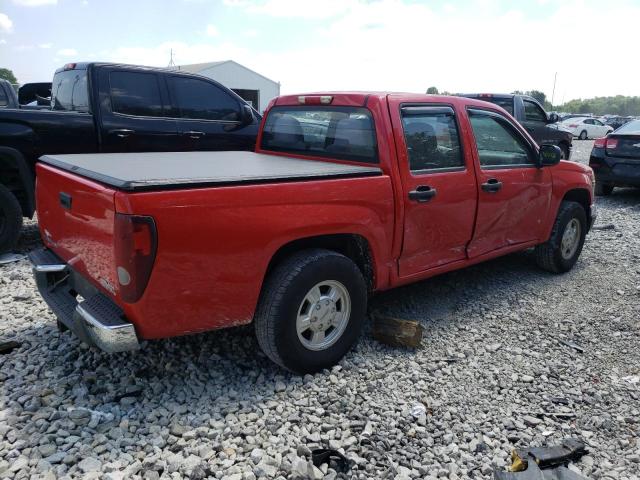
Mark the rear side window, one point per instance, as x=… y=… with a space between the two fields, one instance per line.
x=202 y=100
x=431 y=136
x=135 y=93
x=345 y=133
x=506 y=103
x=533 y=113
x=499 y=144
x=69 y=91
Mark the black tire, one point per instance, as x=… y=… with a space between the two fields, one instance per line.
x=282 y=295
x=564 y=148
x=549 y=255
x=603 y=189
x=583 y=135
x=10 y=220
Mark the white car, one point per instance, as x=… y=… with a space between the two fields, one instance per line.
x=586 y=127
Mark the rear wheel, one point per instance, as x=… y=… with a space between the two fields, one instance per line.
x=311 y=310
x=603 y=189
x=560 y=253
x=583 y=135
x=10 y=219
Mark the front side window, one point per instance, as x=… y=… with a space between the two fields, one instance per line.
x=533 y=112
x=201 y=100
x=431 y=136
x=135 y=93
x=345 y=133
x=499 y=144
x=69 y=91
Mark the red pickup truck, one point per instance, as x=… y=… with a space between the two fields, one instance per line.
x=346 y=194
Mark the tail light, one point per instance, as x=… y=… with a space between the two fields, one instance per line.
x=136 y=242
x=611 y=143
x=600 y=143
x=573 y=125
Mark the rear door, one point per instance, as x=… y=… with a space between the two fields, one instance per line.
x=439 y=185
x=514 y=195
x=134 y=107
x=208 y=116
x=535 y=122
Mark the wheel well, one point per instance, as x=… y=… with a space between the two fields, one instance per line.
x=12 y=176
x=581 y=196
x=352 y=246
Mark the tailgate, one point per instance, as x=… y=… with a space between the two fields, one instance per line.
x=76 y=219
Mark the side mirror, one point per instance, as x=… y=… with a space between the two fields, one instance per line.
x=554 y=118
x=246 y=114
x=549 y=156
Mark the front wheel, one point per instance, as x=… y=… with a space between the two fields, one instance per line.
x=10 y=219
x=564 y=148
x=560 y=253
x=603 y=189
x=311 y=310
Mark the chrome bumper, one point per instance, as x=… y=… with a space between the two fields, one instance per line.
x=80 y=307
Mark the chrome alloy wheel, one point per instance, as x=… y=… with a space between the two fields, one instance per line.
x=323 y=315
x=570 y=239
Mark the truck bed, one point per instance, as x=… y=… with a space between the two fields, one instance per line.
x=169 y=170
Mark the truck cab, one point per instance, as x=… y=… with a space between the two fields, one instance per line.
x=347 y=194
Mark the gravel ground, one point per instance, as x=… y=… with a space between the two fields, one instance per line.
x=491 y=375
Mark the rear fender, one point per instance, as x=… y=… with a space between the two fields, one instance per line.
x=16 y=175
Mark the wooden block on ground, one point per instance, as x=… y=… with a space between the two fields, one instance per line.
x=396 y=332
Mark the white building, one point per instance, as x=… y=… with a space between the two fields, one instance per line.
x=253 y=87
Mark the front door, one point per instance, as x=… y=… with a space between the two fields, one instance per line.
x=535 y=122
x=439 y=186
x=209 y=117
x=514 y=194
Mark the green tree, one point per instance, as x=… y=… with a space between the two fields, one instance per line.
x=432 y=91
x=538 y=95
x=7 y=74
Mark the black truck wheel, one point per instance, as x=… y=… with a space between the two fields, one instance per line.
x=311 y=310
x=603 y=189
x=564 y=148
x=10 y=219
x=560 y=253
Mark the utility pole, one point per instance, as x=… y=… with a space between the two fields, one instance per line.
x=171 y=62
x=553 y=93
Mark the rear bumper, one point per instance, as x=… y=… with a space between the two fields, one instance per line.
x=79 y=306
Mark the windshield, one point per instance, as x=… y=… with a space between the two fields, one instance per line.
x=345 y=133
x=69 y=91
x=630 y=127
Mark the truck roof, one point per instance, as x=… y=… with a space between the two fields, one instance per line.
x=171 y=170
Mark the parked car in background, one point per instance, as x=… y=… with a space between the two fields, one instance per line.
x=617 y=122
x=585 y=128
x=102 y=107
x=8 y=96
x=566 y=116
x=541 y=126
x=379 y=190
x=615 y=159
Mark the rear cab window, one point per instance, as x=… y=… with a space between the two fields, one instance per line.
x=504 y=102
x=343 y=133
x=69 y=91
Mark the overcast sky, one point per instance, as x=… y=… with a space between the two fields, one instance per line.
x=399 y=45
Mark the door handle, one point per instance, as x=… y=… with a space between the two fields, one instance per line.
x=122 y=132
x=492 y=185
x=193 y=134
x=422 y=194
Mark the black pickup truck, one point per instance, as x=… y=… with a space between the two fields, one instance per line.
x=101 y=107
x=543 y=127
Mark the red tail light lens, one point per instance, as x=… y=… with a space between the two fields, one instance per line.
x=612 y=143
x=573 y=125
x=135 y=245
x=600 y=143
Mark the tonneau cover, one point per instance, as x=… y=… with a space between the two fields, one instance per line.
x=158 y=170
